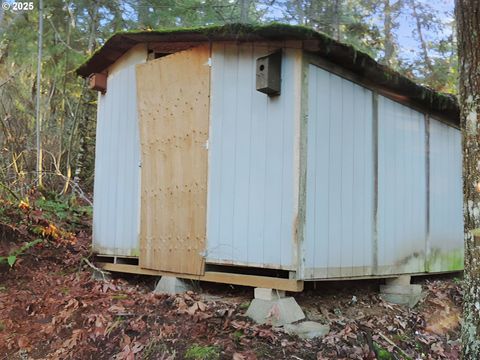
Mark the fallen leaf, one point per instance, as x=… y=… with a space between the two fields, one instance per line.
x=191 y=310
x=23 y=342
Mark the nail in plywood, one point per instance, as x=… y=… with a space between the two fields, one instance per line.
x=173 y=107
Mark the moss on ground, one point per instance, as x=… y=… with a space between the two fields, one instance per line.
x=199 y=352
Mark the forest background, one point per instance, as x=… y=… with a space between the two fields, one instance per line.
x=414 y=37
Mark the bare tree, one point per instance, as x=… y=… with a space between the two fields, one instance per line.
x=39 y=167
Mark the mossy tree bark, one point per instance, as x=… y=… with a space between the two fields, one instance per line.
x=468 y=29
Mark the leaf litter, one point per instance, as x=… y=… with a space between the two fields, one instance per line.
x=52 y=308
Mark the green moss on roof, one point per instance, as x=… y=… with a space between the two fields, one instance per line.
x=344 y=55
x=242 y=31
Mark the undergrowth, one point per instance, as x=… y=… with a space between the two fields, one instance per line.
x=199 y=352
x=37 y=219
x=11 y=258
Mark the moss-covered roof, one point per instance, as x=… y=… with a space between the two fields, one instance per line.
x=444 y=105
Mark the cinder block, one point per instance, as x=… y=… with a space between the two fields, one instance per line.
x=405 y=294
x=401 y=289
x=172 y=285
x=399 y=280
x=275 y=312
x=402 y=299
x=308 y=329
x=268 y=294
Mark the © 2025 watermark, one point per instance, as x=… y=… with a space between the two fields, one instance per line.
x=18 y=5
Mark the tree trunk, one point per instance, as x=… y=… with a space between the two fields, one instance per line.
x=421 y=38
x=39 y=166
x=244 y=10
x=336 y=20
x=468 y=30
x=2 y=12
x=389 y=45
x=82 y=151
x=82 y=128
x=300 y=12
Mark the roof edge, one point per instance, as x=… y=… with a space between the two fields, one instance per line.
x=346 y=56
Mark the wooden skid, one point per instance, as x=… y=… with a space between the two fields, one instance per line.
x=213 y=276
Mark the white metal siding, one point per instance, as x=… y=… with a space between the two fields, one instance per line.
x=116 y=211
x=402 y=196
x=339 y=213
x=251 y=162
x=446 y=201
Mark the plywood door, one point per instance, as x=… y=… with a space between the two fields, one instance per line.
x=173 y=108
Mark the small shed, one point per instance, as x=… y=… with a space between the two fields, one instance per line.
x=269 y=156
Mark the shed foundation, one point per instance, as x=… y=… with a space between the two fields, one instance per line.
x=268 y=294
x=172 y=285
x=308 y=329
x=399 y=280
x=270 y=306
x=400 y=291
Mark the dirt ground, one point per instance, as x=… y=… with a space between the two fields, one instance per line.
x=51 y=308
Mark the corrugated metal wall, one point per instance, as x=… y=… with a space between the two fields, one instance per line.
x=402 y=207
x=253 y=179
x=251 y=162
x=414 y=231
x=339 y=209
x=117 y=159
x=446 y=202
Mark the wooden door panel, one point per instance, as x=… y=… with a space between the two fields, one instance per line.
x=173 y=110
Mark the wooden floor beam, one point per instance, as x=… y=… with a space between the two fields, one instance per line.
x=214 y=276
